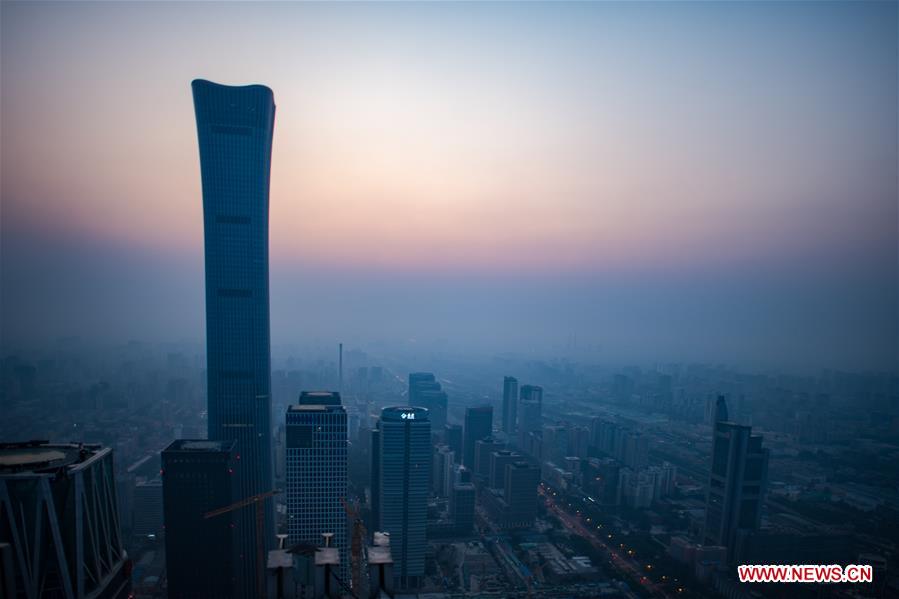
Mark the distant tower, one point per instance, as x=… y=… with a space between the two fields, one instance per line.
x=522 y=480
x=198 y=477
x=478 y=425
x=340 y=368
x=737 y=481
x=510 y=404
x=530 y=412
x=425 y=392
x=453 y=436
x=420 y=381
x=317 y=472
x=404 y=455
x=234 y=129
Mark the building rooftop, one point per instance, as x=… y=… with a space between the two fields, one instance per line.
x=41 y=457
x=199 y=445
x=321 y=398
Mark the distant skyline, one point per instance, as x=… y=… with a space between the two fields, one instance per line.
x=668 y=182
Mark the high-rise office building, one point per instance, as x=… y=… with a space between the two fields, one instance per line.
x=425 y=392
x=375 y=481
x=436 y=402
x=146 y=515
x=234 y=129
x=530 y=413
x=444 y=460
x=498 y=462
x=317 y=472
x=59 y=515
x=522 y=480
x=737 y=481
x=478 y=425
x=419 y=377
x=462 y=502
x=200 y=476
x=482 y=450
x=453 y=437
x=404 y=454
x=510 y=404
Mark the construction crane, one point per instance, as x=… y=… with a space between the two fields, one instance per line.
x=355 y=545
x=259 y=501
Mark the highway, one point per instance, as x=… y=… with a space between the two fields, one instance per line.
x=621 y=564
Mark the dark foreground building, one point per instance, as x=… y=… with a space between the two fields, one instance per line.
x=234 y=129
x=66 y=492
x=198 y=477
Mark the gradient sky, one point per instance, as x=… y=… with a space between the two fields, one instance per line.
x=666 y=181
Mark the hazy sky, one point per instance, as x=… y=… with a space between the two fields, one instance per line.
x=666 y=181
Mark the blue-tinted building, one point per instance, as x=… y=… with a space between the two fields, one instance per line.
x=234 y=128
x=317 y=472
x=404 y=464
x=738 y=478
x=425 y=392
x=478 y=425
x=510 y=404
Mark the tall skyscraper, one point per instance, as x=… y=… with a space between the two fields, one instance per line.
x=737 y=481
x=198 y=477
x=234 y=128
x=146 y=515
x=530 y=412
x=425 y=392
x=478 y=425
x=453 y=437
x=435 y=401
x=482 y=450
x=498 y=461
x=58 y=513
x=404 y=455
x=510 y=404
x=317 y=472
x=420 y=380
x=462 y=507
x=522 y=480
x=375 y=477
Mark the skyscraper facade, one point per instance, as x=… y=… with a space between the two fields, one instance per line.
x=510 y=404
x=530 y=413
x=522 y=480
x=317 y=472
x=234 y=129
x=737 y=481
x=198 y=477
x=404 y=454
x=452 y=434
x=425 y=392
x=478 y=425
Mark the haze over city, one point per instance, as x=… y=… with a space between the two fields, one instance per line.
x=634 y=182
x=432 y=300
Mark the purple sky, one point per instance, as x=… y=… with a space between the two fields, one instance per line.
x=694 y=181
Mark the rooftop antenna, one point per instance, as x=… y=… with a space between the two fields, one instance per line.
x=340 y=368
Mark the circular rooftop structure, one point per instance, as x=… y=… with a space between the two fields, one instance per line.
x=404 y=414
x=30 y=458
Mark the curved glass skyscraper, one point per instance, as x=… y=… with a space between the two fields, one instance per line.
x=234 y=128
